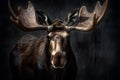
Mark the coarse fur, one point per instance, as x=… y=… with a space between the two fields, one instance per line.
x=30 y=60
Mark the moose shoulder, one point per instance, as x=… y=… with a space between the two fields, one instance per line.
x=23 y=58
x=49 y=57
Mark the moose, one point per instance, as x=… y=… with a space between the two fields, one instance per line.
x=49 y=57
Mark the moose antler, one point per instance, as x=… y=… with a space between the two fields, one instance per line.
x=26 y=18
x=93 y=18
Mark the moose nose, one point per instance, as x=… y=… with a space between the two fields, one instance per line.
x=59 y=60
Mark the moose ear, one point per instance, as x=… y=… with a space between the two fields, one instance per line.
x=72 y=17
x=43 y=18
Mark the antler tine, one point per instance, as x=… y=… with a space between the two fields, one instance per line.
x=11 y=10
x=102 y=8
x=93 y=18
x=26 y=18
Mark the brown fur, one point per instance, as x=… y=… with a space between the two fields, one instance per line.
x=30 y=60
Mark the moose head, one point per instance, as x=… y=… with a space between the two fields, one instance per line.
x=58 y=31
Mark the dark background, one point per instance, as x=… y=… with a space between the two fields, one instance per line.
x=97 y=51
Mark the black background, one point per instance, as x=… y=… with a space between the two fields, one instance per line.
x=97 y=51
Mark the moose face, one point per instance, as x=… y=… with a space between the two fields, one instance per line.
x=57 y=48
x=58 y=45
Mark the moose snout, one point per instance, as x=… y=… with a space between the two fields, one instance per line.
x=58 y=60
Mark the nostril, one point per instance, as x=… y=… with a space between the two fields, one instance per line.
x=58 y=55
x=56 y=58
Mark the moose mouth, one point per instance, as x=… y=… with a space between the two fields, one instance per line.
x=58 y=67
x=59 y=62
